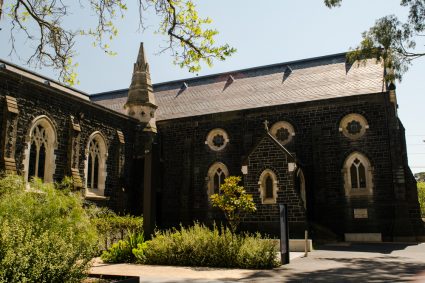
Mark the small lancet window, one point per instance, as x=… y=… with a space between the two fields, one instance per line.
x=268 y=187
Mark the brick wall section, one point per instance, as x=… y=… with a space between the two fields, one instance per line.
x=36 y=99
x=268 y=155
x=319 y=146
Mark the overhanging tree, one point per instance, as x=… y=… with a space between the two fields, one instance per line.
x=189 y=39
x=391 y=40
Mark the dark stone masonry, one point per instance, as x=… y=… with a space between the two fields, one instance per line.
x=318 y=135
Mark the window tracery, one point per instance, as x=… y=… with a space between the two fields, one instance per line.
x=39 y=160
x=95 y=165
x=216 y=175
x=353 y=126
x=283 y=132
x=217 y=139
x=357 y=175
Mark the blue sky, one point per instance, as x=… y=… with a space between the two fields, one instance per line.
x=264 y=32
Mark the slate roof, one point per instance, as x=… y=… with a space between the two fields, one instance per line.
x=319 y=78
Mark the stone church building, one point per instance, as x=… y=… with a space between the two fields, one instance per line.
x=319 y=135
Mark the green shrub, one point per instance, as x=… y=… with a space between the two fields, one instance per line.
x=257 y=253
x=139 y=252
x=119 y=252
x=11 y=183
x=45 y=234
x=421 y=196
x=122 y=251
x=199 y=246
x=112 y=227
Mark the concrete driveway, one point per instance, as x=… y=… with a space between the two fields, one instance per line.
x=344 y=262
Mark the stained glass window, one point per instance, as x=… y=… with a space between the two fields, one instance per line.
x=219 y=177
x=269 y=187
x=282 y=134
x=358 y=175
x=354 y=127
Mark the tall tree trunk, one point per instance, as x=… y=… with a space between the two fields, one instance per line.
x=1 y=8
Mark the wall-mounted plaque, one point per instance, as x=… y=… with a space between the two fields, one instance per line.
x=360 y=213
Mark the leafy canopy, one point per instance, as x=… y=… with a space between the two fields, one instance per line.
x=233 y=201
x=189 y=38
x=390 y=40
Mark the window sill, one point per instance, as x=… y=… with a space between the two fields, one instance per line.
x=93 y=196
x=359 y=193
x=268 y=201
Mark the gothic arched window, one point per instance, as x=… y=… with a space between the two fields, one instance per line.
x=357 y=175
x=39 y=158
x=268 y=187
x=95 y=165
x=216 y=175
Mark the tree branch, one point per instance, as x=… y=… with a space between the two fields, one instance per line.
x=55 y=42
x=172 y=29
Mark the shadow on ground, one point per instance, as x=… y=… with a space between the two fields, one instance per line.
x=386 y=248
x=379 y=269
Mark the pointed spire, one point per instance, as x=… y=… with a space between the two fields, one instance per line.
x=140 y=91
x=141 y=63
x=141 y=100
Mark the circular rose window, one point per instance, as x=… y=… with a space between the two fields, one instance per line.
x=217 y=139
x=283 y=132
x=353 y=126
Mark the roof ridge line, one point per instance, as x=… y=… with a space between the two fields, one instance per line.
x=43 y=77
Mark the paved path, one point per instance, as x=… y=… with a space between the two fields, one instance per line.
x=332 y=263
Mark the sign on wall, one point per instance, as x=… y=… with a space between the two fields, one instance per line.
x=360 y=213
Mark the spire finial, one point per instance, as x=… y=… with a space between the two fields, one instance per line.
x=141 y=62
x=141 y=56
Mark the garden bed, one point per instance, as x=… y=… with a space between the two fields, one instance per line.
x=101 y=278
